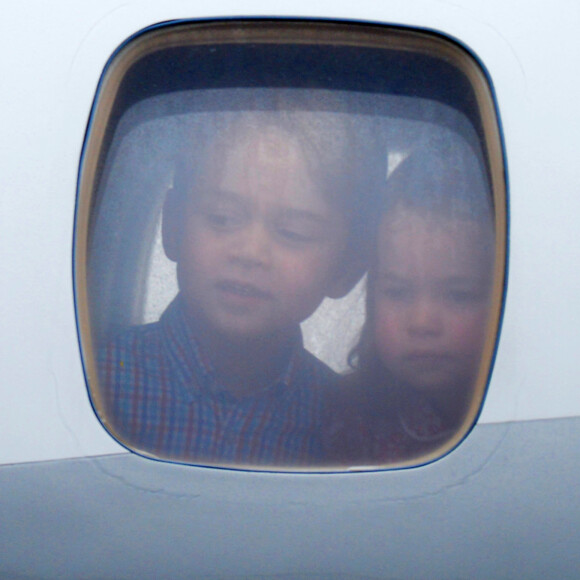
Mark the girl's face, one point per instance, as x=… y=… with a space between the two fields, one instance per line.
x=432 y=289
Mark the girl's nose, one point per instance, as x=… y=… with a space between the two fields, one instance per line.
x=425 y=317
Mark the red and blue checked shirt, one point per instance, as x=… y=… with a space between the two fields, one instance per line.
x=162 y=399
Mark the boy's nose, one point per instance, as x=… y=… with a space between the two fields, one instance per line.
x=253 y=246
x=425 y=317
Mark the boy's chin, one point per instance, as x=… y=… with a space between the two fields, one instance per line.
x=239 y=327
x=244 y=333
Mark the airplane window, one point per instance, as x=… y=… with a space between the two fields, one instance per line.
x=290 y=245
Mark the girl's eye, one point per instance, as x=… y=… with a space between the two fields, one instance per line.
x=398 y=293
x=463 y=296
x=295 y=235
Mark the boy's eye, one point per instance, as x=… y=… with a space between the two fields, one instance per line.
x=223 y=219
x=299 y=231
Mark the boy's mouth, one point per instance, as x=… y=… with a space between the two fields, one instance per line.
x=242 y=289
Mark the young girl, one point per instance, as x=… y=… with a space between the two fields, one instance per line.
x=427 y=307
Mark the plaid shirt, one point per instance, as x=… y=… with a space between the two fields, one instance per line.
x=162 y=399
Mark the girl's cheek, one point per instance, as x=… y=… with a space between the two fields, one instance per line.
x=388 y=331
x=468 y=330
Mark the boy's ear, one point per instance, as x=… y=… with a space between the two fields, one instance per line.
x=348 y=273
x=172 y=224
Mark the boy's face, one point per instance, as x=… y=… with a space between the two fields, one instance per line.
x=432 y=296
x=261 y=245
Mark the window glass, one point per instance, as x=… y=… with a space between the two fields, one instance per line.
x=290 y=245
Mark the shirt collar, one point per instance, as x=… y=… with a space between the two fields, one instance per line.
x=194 y=367
x=419 y=418
x=188 y=361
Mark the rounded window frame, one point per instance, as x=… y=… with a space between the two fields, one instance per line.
x=150 y=41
